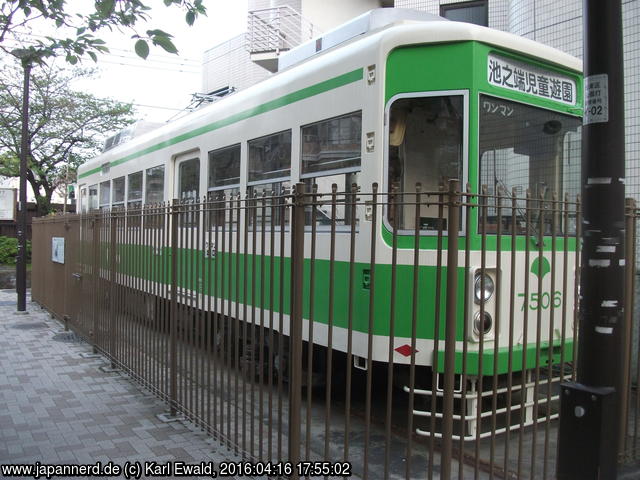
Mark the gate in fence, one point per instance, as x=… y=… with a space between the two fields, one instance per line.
x=384 y=335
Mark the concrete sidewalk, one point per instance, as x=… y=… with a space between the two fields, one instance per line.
x=58 y=407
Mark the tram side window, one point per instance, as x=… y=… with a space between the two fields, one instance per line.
x=189 y=179
x=83 y=200
x=93 y=197
x=426 y=147
x=331 y=153
x=189 y=190
x=525 y=148
x=105 y=194
x=154 y=189
x=269 y=173
x=118 y=192
x=134 y=197
x=224 y=182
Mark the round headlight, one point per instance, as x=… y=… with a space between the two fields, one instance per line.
x=482 y=324
x=483 y=292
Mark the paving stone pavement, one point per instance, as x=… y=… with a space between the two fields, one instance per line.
x=57 y=407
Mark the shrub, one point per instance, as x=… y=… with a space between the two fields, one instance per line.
x=9 y=250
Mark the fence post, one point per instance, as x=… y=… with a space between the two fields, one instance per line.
x=94 y=277
x=173 y=320
x=297 y=265
x=453 y=222
x=112 y=288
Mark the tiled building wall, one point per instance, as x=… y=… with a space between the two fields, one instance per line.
x=260 y=4
x=631 y=46
x=560 y=26
x=498 y=9
x=228 y=64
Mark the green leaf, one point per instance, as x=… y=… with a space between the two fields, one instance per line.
x=190 y=18
x=72 y=59
x=93 y=56
x=168 y=2
x=158 y=32
x=105 y=8
x=142 y=48
x=165 y=43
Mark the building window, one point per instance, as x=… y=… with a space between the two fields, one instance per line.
x=471 y=12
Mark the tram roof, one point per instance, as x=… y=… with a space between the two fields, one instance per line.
x=400 y=33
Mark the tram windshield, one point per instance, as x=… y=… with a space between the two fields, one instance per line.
x=527 y=148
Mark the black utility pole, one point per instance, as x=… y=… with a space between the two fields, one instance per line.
x=590 y=417
x=21 y=260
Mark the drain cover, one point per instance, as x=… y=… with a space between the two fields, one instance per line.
x=67 y=337
x=28 y=326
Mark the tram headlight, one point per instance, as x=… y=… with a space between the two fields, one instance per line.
x=482 y=323
x=483 y=294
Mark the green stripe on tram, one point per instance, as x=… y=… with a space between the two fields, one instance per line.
x=327 y=85
x=193 y=270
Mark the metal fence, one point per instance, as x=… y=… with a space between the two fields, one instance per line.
x=354 y=328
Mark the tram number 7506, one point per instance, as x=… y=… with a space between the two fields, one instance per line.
x=543 y=301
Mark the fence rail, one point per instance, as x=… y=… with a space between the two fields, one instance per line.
x=396 y=334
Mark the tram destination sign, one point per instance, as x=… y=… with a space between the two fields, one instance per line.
x=521 y=77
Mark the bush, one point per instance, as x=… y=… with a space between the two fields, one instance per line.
x=9 y=250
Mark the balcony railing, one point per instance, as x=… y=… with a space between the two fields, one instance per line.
x=277 y=29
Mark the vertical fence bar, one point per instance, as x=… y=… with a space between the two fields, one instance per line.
x=351 y=205
x=297 y=266
x=453 y=221
x=390 y=349
x=372 y=284
x=469 y=203
x=95 y=245
x=629 y=273
x=313 y=199
x=173 y=318
x=330 y=318
x=392 y=209
x=112 y=288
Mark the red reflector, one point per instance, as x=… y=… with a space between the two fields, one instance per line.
x=405 y=350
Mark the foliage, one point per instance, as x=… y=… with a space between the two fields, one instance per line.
x=66 y=127
x=9 y=250
x=78 y=30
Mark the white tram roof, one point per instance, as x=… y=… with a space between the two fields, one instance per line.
x=400 y=32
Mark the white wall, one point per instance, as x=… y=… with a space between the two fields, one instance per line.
x=328 y=14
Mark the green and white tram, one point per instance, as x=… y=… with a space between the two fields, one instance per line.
x=395 y=103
